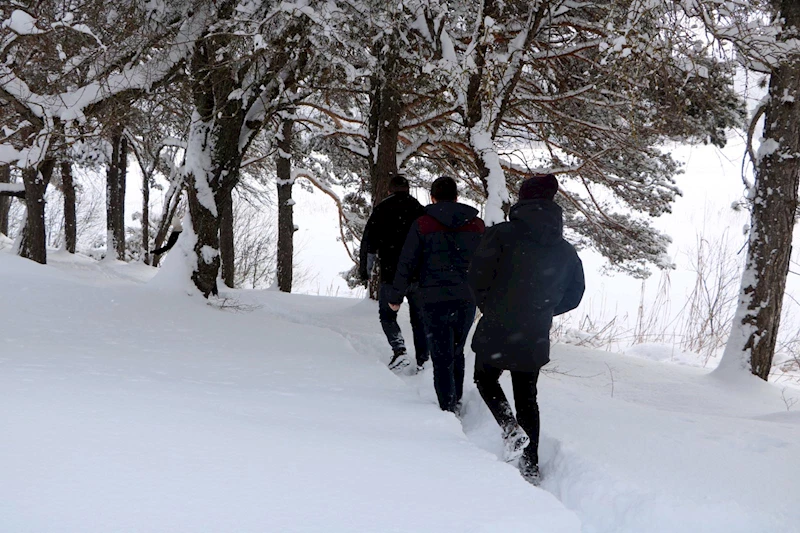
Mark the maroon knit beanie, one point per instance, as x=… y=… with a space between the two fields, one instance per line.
x=540 y=187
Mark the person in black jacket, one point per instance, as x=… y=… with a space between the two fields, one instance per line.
x=523 y=274
x=437 y=252
x=383 y=237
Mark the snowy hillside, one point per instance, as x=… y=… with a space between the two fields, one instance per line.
x=127 y=407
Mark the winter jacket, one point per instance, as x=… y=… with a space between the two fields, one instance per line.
x=523 y=274
x=386 y=232
x=437 y=252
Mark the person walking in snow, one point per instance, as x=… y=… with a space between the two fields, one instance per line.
x=437 y=252
x=384 y=236
x=523 y=274
x=177 y=228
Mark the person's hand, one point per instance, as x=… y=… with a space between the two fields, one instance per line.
x=394 y=307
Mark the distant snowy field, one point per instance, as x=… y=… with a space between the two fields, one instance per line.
x=130 y=407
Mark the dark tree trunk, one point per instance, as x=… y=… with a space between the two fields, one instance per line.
x=384 y=128
x=70 y=217
x=33 y=244
x=285 y=207
x=220 y=134
x=206 y=228
x=146 y=219
x=387 y=106
x=163 y=228
x=226 y=244
x=115 y=195
x=755 y=329
x=5 y=201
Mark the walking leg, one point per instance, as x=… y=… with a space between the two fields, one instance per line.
x=528 y=409
x=418 y=327
x=463 y=323
x=487 y=380
x=388 y=320
x=440 y=344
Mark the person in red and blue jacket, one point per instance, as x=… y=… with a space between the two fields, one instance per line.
x=437 y=253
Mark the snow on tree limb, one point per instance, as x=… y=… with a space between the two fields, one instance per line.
x=72 y=105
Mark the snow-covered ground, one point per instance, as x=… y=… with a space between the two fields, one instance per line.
x=127 y=406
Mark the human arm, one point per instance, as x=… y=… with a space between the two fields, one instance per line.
x=366 y=259
x=407 y=266
x=574 y=293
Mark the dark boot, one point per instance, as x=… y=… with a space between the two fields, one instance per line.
x=529 y=469
x=400 y=362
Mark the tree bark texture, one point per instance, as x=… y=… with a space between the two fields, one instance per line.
x=384 y=127
x=146 y=219
x=286 y=230
x=5 y=201
x=226 y=243
x=387 y=106
x=755 y=328
x=206 y=226
x=221 y=134
x=33 y=245
x=70 y=216
x=115 y=195
x=170 y=210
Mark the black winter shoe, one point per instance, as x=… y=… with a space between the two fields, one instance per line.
x=529 y=470
x=400 y=362
x=514 y=442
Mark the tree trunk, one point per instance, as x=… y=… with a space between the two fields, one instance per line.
x=384 y=131
x=384 y=126
x=217 y=143
x=226 y=244
x=5 y=201
x=751 y=345
x=146 y=219
x=205 y=223
x=115 y=196
x=33 y=244
x=286 y=229
x=70 y=217
x=171 y=207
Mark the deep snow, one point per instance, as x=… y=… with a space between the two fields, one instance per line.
x=127 y=406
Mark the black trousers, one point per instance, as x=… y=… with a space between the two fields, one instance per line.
x=448 y=324
x=391 y=328
x=524 y=384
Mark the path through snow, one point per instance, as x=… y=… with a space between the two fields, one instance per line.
x=131 y=408
x=126 y=408
x=632 y=445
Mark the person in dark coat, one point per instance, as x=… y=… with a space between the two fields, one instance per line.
x=437 y=252
x=523 y=274
x=383 y=238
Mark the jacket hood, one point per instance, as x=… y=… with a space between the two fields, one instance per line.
x=543 y=220
x=452 y=214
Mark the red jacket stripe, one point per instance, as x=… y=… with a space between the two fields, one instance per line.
x=427 y=225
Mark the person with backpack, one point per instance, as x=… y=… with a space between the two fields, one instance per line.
x=383 y=238
x=523 y=274
x=437 y=252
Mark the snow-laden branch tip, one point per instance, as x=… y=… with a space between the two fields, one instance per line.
x=21 y=23
x=71 y=105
